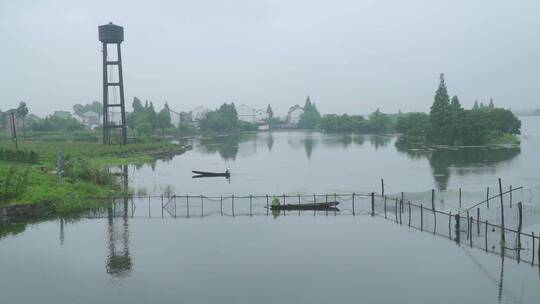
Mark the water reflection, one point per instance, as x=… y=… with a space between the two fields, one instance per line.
x=463 y=161
x=226 y=146
x=379 y=141
x=119 y=263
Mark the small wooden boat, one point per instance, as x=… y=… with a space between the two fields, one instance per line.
x=310 y=206
x=211 y=174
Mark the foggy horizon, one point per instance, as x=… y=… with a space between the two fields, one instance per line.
x=348 y=57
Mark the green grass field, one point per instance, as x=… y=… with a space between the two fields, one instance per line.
x=83 y=176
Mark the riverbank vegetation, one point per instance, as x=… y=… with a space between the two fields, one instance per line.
x=84 y=172
x=448 y=123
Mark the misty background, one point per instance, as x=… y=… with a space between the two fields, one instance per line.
x=349 y=56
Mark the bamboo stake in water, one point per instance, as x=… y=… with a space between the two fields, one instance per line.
x=298 y=204
x=459 y=198
x=486 y=234
x=353 y=204
x=510 y=196
x=385 y=206
x=450 y=225
x=421 y=217
x=533 y=248
x=409 y=213
x=470 y=239
x=478 y=221
x=433 y=199
x=397 y=210
x=187 y=205
x=487 y=197
x=503 y=238
x=372 y=203
x=202 y=206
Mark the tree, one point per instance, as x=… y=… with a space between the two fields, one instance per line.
x=413 y=127
x=270 y=112
x=95 y=106
x=455 y=121
x=21 y=112
x=223 y=119
x=311 y=116
x=491 y=105
x=164 y=119
x=378 y=122
x=476 y=106
x=137 y=105
x=439 y=114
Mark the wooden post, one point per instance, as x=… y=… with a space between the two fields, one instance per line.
x=402 y=199
x=187 y=205
x=487 y=197
x=538 y=252
x=533 y=248
x=149 y=210
x=175 y=206
x=221 y=205
x=433 y=199
x=470 y=239
x=267 y=205
x=382 y=187
x=372 y=203
x=520 y=215
x=450 y=225
x=434 y=221
x=326 y=201
x=397 y=210
x=468 y=228
x=409 y=213
x=478 y=221
x=510 y=196
x=421 y=217
x=161 y=206
x=353 y=204
x=202 y=206
x=459 y=198
x=314 y=201
x=486 y=234
x=232 y=204
x=458 y=228
x=284 y=210
x=400 y=203
x=298 y=204
x=335 y=200
x=385 y=206
x=503 y=238
x=250 y=205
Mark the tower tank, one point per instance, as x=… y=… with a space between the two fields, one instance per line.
x=111 y=33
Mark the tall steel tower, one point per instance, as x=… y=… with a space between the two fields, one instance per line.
x=113 y=35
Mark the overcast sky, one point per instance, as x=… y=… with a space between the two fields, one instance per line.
x=349 y=56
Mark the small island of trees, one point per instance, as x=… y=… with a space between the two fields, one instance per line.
x=449 y=124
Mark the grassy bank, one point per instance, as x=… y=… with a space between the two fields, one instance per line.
x=83 y=173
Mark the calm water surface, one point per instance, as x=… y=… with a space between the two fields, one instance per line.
x=131 y=254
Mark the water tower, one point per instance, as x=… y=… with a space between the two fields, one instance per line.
x=114 y=113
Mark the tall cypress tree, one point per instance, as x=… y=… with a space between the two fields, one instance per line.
x=439 y=114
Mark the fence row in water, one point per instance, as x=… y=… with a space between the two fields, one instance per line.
x=463 y=227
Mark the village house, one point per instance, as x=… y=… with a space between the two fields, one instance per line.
x=294 y=114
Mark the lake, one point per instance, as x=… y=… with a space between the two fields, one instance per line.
x=137 y=252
